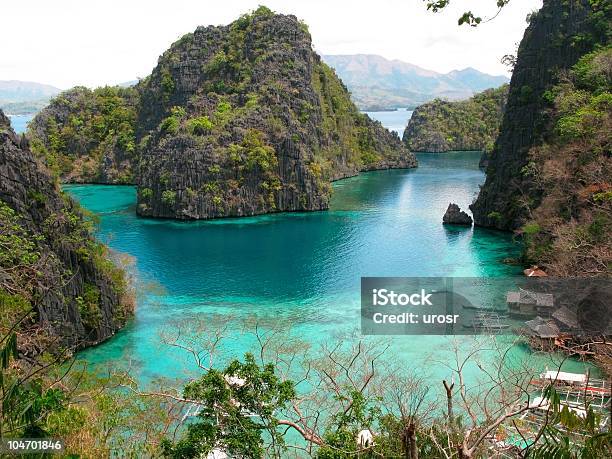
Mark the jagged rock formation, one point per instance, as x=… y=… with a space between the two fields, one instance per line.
x=455 y=216
x=48 y=259
x=88 y=136
x=470 y=124
x=245 y=119
x=483 y=162
x=236 y=120
x=549 y=172
x=555 y=39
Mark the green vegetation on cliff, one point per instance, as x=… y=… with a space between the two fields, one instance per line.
x=59 y=291
x=235 y=120
x=245 y=119
x=50 y=264
x=549 y=172
x=569 y=229
x=471 y=124
x=88 y=136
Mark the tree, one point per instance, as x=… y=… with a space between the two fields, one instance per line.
x=236 y=406
x=337 y=394
x=467 y=17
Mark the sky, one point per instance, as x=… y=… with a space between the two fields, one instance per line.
x=94 y=42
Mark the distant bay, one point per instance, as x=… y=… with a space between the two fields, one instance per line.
x=395 y=120
x=20 y=122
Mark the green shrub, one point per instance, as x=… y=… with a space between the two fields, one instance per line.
x=603 y=197
x=258 y=153
x=146 y=193
x=19 y=247
x=191 y=193
x=252 y=101
x=235 y=153
x=592 y=71
x=178 y=112
x=531 y=228
x=11 y=307
x=211 y=187
x=167 y=84
x=89 y=306
x=37 y=196
x=217 y=63
x=599 y=227
x=170 y=125
x=200 y=125
x=169 y=197
x=369 y=157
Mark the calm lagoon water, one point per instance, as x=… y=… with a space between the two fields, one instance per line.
x=394 y=120
x=301 y=267
x=20 y=122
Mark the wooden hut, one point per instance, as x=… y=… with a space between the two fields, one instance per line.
x=526 y=304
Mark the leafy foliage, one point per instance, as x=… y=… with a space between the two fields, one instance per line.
x=467 y=17
x=238 y=404
x=169 y=197
x=472 y=124
x=570 y=435
x=199 y=125
x=80 y=127
x=89 y=305
x=573 y=172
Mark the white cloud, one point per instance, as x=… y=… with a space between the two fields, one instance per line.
x=70 y=42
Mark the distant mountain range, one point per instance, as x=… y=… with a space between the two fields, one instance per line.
x=379 y=83
x=23 y=91
x=375 y=83
x=18 y=97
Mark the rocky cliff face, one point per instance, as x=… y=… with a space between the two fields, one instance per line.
x=88 y=136
x=471 y=124
x=49 y=261
x=236 y=120
x=555 y=39
x=245 y=119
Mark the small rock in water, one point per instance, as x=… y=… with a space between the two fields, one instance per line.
x=455 y=216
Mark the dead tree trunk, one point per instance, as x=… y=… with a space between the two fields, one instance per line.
x=409 y=441
x=449 y=400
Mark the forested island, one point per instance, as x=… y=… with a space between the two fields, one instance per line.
x=237 y=120
x=471 y=124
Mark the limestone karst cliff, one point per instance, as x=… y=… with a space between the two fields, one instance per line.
x=245 y=119
x=549 y=172
x=234 y=120
x=49 y=261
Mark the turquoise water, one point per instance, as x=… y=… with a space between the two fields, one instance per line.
x=304 y=268
x=393 y=120
x=20 y=122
